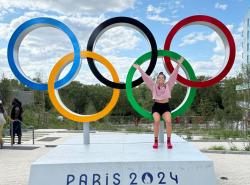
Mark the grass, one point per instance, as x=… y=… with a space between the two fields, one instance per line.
x=137 y=129
x=33 y=118
x=217 y=147
x=211 y=133
x=103 y=126
x=189 y=137
x=234 y=148
x=247 y=147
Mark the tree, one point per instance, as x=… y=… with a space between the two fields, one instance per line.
x=231 y=112
x=245 y=82
x=5 y=89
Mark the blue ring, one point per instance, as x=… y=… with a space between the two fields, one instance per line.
x=17 y=38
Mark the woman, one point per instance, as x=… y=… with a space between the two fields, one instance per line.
x=16 y=116
x=161 y=93
x=3 y=117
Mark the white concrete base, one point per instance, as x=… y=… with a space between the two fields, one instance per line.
x=125 y=159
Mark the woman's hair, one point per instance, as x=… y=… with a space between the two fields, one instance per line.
x=16 y=102
x=161 y=73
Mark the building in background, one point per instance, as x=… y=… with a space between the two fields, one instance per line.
x=246 y=38
x=244 y=89
x=26 y=97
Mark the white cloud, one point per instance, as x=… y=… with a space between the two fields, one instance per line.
x=216 y=62
x=195 y=37
x=67 y=7
x=155 y=10
x=173 y=5
x=121 y=65
x=165 y=8
x=154 y=14
x=192 y=38
x=158 y=18
x=177 y=2
x=111 y=41
x=43 y=47
x=220 y=6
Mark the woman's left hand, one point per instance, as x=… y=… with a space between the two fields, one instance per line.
x=181 y=60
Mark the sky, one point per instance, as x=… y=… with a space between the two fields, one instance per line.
x=42 y=48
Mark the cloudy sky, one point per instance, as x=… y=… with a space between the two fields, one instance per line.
x=43 y=47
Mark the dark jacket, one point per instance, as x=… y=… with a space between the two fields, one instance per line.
x=16 y=113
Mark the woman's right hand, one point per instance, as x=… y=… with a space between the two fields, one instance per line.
x=136 y=66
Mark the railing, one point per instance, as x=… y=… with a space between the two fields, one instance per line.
x=25 y=129
x=241 y=87
x=243 y=104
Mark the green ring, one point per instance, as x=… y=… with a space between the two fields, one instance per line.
x=191 y=92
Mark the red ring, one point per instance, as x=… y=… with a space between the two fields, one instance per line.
x=225 y=31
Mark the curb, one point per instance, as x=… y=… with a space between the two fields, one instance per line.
x=226 y=152
x=217 y=140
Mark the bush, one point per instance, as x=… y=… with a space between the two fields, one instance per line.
x=217 y=148
x=234 y=148
x=189 y=137
x=138 y=129
x=247 y=147
x=103 y=126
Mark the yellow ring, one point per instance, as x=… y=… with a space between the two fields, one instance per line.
x=56 y=100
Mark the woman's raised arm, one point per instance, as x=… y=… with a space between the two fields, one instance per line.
x=146 y=78
x=173 y=76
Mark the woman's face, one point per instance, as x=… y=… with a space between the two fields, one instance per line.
x=161 y=79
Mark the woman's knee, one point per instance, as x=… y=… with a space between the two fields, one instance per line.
x=156 y=117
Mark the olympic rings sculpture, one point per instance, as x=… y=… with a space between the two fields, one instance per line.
x=54 y=83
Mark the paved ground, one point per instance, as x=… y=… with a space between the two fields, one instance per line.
x=235 y=167
x=15 y=163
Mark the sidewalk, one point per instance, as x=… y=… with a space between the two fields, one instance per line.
x=15 y=163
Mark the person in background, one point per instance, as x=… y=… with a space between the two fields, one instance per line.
x=16 y=116
x=3 y=117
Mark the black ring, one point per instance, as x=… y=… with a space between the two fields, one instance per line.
x=117 y=21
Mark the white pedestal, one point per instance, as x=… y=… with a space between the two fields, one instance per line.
x=125 y=159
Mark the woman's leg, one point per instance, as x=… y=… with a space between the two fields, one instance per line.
x=1 y=135
x=167 y=118
x=13 y=132
x=157 y=118
x=19 y=132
